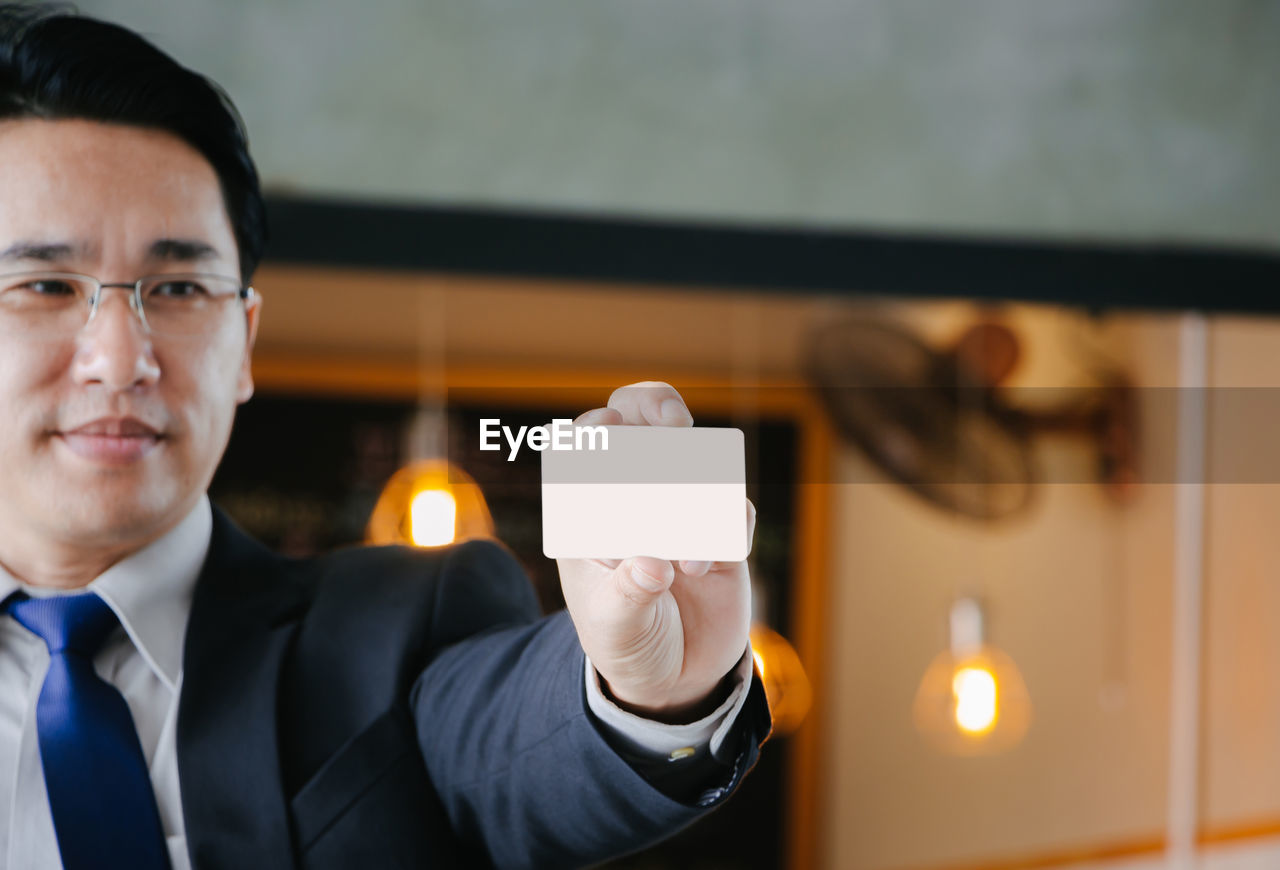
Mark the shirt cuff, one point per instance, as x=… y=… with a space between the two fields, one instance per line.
x=671 y=742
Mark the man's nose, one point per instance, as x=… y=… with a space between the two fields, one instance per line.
x=114 y=347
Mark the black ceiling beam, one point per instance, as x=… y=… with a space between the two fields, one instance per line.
x=788 y=260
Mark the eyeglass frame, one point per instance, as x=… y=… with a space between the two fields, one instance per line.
x=244 y=292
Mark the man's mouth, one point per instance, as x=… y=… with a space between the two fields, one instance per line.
x=111 y=440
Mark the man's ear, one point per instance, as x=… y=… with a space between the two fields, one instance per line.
x=244 y=384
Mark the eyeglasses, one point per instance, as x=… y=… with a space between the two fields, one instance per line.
x=60 y=304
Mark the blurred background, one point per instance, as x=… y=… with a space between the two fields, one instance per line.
x=991 y=287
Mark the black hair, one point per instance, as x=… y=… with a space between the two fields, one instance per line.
x=56 y=64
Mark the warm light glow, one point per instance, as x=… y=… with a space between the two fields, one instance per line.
x=975 y=695
x=972 y=704
x=433 y=518
x=786 y=686
x=431 y=503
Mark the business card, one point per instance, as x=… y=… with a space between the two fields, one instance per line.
x=672 y=493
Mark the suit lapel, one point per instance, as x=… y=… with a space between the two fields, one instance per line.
x=243 y=616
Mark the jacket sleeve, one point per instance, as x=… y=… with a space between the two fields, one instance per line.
x=512 y=749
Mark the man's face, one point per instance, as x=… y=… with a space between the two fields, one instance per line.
x=110 y=435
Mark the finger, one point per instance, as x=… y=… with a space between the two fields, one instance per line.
x=587 y=568
x=694 y=569
x=643 y=580
x=599 y=417
x=651 y=403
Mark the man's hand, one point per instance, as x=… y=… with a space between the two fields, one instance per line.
x=662 y=635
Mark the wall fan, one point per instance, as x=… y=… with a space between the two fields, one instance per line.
x=938 y=421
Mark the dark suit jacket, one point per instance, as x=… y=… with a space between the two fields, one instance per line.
x=386 y=708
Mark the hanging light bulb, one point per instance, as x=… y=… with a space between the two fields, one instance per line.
x=429 y=504
x=433 y=518
x=786 y=685
x=972 y=700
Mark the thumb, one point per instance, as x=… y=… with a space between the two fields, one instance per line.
x=644 y=579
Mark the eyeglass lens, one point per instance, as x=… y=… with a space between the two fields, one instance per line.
x=51 y=304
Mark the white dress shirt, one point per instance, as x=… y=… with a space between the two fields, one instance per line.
x=150 y=591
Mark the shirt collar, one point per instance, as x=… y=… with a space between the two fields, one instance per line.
x=150 y=590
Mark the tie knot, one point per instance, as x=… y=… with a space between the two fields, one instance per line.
x=79 y=623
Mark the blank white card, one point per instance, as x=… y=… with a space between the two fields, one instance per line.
x=653 y=491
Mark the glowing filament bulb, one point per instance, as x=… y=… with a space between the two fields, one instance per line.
x=975 y=694
x=432 y=518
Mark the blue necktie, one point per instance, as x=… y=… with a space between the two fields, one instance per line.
x=104 y=811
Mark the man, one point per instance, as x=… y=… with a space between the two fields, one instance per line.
x=171 y=693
